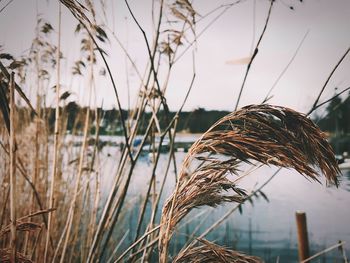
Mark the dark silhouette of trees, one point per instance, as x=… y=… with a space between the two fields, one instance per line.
x=337 y=119
x=337 y=123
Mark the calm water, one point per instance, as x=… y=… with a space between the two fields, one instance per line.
x=265 y=229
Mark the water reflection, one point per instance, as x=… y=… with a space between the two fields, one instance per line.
x=265 y=229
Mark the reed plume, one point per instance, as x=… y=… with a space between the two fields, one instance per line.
x=271 y=135
x=210 y=252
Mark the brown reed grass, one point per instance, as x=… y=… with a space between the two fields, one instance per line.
x=13 y=177
x=56 y=138
x=210 y=252
x=271 y=135
x=5 y=255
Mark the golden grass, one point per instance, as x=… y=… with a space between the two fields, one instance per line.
x=210 y=252
x=271 y=135
x=80 y=225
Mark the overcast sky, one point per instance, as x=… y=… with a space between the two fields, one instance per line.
x=218 y=52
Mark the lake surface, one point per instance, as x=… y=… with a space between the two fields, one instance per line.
x=265 y=229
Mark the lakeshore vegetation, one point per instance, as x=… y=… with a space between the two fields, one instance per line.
x=52 y=206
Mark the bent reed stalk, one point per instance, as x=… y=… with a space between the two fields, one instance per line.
x=271 y=135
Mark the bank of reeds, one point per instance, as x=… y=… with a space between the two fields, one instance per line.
x=50 y=165
x=55 y=186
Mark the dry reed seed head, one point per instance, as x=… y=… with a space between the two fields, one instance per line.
x=207 y=185
x=271 y=135
x=210 y=252
x=77 y=9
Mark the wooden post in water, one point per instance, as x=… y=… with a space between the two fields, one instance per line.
x=303 y=241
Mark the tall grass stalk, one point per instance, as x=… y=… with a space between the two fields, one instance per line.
x=93 y=218
x=13 y=193
x=56 y=135
x=256 y=50
x=38 y=127
x=74 y=205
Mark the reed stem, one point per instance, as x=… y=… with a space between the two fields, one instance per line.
x=74 y=205
x=56 y=137
x=13 y=196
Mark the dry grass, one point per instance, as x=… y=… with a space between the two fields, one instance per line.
x=210 y=252
x=271 y=135
x=62 y=177
x=46 y=171
x=5 y=255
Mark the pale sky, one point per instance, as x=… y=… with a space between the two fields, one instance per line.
x=229 y=39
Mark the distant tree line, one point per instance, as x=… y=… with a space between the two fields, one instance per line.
x=337 y=116
x=196 y=121
x=336 y=121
